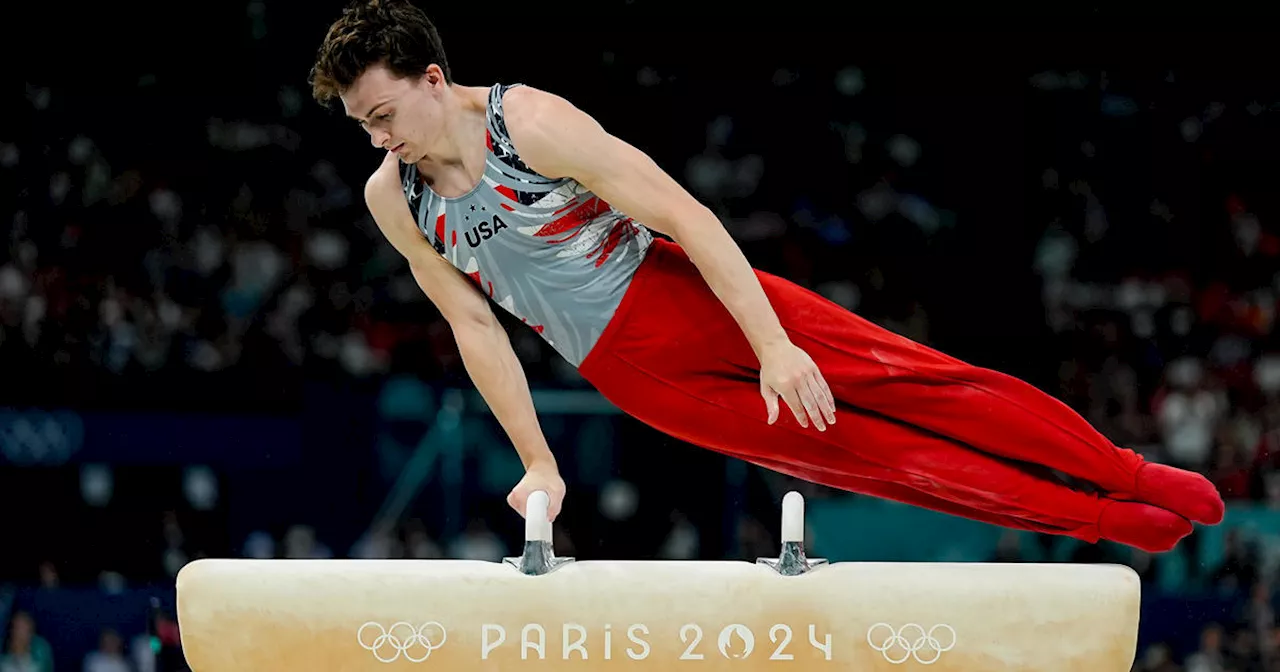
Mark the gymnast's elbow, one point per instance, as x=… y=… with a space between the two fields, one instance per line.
x=688 y=222
x=487 y=353
x=479 y=333
x=459 y=302
x=475 y=328
x=469 y=315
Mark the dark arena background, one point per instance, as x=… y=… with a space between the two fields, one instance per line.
x=207 y=350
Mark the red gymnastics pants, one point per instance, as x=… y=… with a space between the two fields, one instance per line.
x=913 y=425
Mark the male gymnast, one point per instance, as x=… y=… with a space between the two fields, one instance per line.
x=512 y=196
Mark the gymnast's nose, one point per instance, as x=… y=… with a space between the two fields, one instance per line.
x=379 y=138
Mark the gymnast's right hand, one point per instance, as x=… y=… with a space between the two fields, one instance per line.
x=539 y=476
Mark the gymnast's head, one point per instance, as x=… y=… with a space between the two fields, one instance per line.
x=383 y=61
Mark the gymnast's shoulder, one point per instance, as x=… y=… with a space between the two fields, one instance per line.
x=385 y=179
x=552 y=135
x=385 y=199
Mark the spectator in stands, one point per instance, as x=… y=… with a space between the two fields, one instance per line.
x=1188 y=412
x=1008 y=548
x=1242 y=654
x=110 y=655
x=300 y=543
x=1260 y=619
x=418 y=544
x=1231 y=470
x=49 y=575
x=1239 y=568
x=1210 y=656
x=478 y=542
x=1157 y=658
x=25 y=651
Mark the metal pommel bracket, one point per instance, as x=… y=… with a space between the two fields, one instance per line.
x=539 y=558
x=792 y=560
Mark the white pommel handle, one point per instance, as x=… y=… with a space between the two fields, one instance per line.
x=536 y=525
x=793 y=517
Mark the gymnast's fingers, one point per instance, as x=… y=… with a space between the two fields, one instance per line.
x=831 y=398
x=770 y=402
x=553 y=509
x=516 y=500
x=824 y=401
x=797 y=408
x=811 y=405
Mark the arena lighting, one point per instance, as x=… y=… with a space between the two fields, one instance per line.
x=541 y=612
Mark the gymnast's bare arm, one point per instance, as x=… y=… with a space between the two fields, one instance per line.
x=486 y=349
x=557 y=139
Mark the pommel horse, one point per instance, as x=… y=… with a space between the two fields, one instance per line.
x=541 y=612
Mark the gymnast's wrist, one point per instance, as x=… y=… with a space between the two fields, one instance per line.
x=542 y=461
x=771 y=344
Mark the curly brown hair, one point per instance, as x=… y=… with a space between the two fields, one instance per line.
x=393 y=33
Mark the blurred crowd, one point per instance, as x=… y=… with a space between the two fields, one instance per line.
x=1161 y=287
x=1160 y=268
x=248 y=265
x=115 y=272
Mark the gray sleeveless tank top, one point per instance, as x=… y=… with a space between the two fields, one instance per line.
x=548 y=251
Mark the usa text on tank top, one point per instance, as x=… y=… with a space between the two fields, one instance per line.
x=548 y=251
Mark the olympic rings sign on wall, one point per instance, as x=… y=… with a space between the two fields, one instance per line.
x=911 y=641
x=402 y=639
x=34 y=437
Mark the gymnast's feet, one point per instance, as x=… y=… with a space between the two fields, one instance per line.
x=1183 y=492
x=1144 y=526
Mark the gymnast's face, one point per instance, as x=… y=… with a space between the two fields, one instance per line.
x=400 y=114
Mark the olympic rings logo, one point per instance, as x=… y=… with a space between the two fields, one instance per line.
x=401 y=639
x=924 y=646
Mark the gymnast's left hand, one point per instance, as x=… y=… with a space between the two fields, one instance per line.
x=787 y=371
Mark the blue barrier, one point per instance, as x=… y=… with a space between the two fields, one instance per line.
x=36 y=437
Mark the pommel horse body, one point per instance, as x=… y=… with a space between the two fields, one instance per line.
x=540 y=612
